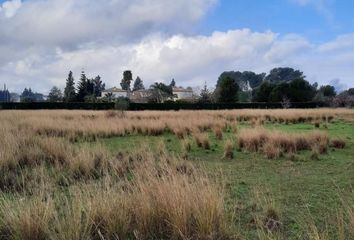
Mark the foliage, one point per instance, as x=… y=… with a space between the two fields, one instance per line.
x=286 y=74
x=262 y=93
x=245 y=80
x=55 y=95
x=127 y=79
x=298 y=90
x=29 y=96
x=138 y=84
x=98 y=86
x=160 y=92
x=121 y=104
x=69 y=91
x=344 y=99
x=227 y=90
x=82 y=90
x=328 y=91
x=205 y=95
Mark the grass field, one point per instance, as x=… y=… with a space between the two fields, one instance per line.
x=247 y=174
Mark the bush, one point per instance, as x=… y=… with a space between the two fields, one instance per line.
x=338 y=143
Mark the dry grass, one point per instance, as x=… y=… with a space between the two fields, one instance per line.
x=228 y=149
x=90 y=125
x=274 y=143
x=202 y=140
x=60 y=190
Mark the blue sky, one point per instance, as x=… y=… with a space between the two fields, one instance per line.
x=192 y=41
x=284 y=16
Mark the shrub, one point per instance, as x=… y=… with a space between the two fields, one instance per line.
x=338 y=143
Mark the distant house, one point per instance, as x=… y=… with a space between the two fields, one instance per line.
x=140 y=96
x=183 y=93
x=115 y=93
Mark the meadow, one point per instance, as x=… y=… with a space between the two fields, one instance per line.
x=237 y=174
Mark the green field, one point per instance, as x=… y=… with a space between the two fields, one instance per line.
x=301 y=190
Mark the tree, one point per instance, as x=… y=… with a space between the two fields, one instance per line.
x=69 y=91
x=98 y=86
x=286 y=74
x=29 y=96
x=127 y=79
x=262 y=93
x=55 y=95
x=246 y=80
x=328 y=91
x=138 y=84
x=160 y=92
x=351 y=91
x=227 y=90
x=82 y=89
x=301 y=91
x=344 y=99
x=173 y=83
x=205 y=95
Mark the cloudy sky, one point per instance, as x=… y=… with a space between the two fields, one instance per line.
x=192 y=41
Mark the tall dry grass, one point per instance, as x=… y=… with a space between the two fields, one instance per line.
x=90 y=125
x=52 y=189
x=274 y=143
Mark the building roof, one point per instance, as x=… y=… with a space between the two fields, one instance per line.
x=114 y=89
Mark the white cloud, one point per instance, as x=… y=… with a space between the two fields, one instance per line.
x=9 y=8
x=45 y=39
x=71 y=22
x=191 y=60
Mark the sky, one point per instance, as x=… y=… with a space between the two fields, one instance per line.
x=192 y=41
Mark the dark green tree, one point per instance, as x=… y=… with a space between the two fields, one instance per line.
x=301 y=91
x=138 y=84
x=328 y=91
x=82 y=89
x=262 y=93
x=69 y=91
x=286 y=74
x=127 y=79
x=55 y=95
x=227 y=90
x=98 y=86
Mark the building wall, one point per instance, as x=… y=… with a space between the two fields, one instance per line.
x=184 y=95
x=116 y=94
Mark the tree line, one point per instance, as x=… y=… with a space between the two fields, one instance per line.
x=284 y=85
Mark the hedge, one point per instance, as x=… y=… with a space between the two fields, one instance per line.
x=154 y=106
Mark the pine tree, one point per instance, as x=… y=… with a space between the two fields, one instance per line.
x=82 y=88
x=205 y=95
x=138 y=84
x=69 y=92
x=126 y=81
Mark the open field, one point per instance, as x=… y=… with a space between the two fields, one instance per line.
x=240 y=174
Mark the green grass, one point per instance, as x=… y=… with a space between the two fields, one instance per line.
x=301 y=189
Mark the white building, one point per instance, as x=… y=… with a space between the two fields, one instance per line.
x=182 y=93
x=115 y=93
